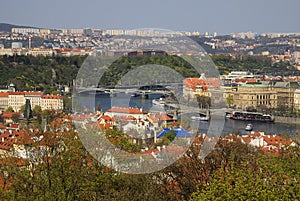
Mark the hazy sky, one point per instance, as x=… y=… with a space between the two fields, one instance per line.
x=222 y=16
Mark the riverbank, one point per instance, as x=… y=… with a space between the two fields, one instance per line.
x=287 y=120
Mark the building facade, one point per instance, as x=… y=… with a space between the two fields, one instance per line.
x=285 y=92
x=254 y=95
x=25 y=30
x=297 y=100
x=17 y=100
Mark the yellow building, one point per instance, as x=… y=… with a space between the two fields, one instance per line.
x=41 y=52
x=297 y=100
x=3 y=100
x=254 y=95
x=51 y=102
x=193 y=87
x=18 y=99
x=285 y=92
x=229 y=90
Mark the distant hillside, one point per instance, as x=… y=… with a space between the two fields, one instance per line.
x=8 y=27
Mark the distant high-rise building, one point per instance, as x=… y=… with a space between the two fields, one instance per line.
x=45 y=31
x=77 y=31
x=25 y=31
x=196 y=33
x=65 y=31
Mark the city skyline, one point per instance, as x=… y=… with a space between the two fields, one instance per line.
x=218 y=16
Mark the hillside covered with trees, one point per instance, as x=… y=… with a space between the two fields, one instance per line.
x=47 y=73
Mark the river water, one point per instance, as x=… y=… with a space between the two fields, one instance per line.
x=93 y=102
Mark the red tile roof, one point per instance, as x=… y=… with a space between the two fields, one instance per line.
x=81 y=117
x=33 y=93
x=106 y=118
x=3 y=94
x=276 y=140
x=51 y=97
x=14 y=126
x=194 y=82
x=8 y=115
x=126 y=110
x=17 y=93
x=245 y=80
x=215 y=82
x=160 y=117
x=2 y=127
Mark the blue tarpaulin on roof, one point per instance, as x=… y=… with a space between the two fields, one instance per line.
x=180 y=132
x=163 y=132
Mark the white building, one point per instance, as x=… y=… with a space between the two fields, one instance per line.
x=77 y=31
x=122 y=111
x=239 y=74
x=51 y=102
x=18 y=99
x=25 y=30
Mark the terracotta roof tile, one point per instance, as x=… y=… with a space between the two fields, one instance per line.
x=4 y=94
x=126 y=110
x=194 y=82
x=51 y=97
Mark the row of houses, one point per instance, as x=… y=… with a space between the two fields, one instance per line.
x=45 y=52
x=140 y=126
x=132 y=119
x=269 y=144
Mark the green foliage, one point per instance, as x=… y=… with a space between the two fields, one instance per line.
x=123 y=65
x=261 y=177
x=170 y=135
x=229 y=100
x=37 y=110
x=9 y=109
x=255 y=64
x=203 y=101
x=68 y=172
x=46 y=73
x=37 y=73
x=121 y=141
x=15 y=118
x=233 y=171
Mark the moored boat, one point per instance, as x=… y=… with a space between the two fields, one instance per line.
x=159 y=102
x=200 y=118
x=251 y=116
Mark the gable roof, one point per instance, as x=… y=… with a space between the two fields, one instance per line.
x=193 y=83
x=126 y=110
x=159 y=117
x=4 y=94
x=8 y=115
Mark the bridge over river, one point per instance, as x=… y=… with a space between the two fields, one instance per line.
x=143 y=90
